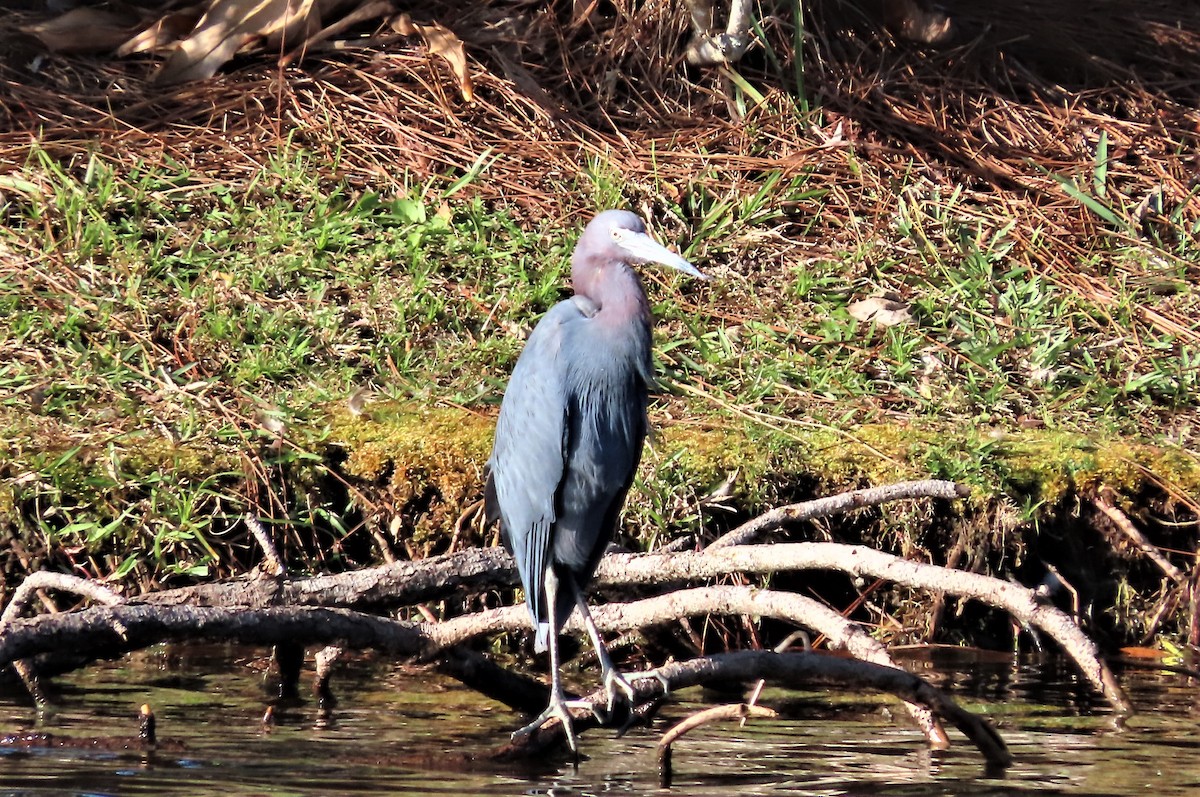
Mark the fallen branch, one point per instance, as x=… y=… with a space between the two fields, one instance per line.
x=61 y=582
x=718 y=600
x=108 y=631
x=798 y=669
x=373 y=588
x=404 y=583
x=33 y=584
x=857 y=560
x=837 y=504
x=295 y=612
x=112 y=630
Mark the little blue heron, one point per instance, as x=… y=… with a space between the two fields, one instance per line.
x=570 y=434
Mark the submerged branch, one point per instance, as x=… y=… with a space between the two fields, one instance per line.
x=736 y=711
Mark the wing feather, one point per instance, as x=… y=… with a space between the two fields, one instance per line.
x=528 y=458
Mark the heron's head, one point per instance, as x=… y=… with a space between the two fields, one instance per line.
x=618 y=236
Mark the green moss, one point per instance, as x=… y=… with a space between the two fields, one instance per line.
x=1049 y=465
x=872 y=454
x=705 y=457
x=8 y=507
x=432 y=457
x=147 y=454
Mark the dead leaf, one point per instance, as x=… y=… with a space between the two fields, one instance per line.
x=162 y=33
x=883 y=311
x=85 y=30
x=328 y=9
x=229 y=25
x=441 y=41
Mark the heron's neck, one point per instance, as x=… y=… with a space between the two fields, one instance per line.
x=617 y=292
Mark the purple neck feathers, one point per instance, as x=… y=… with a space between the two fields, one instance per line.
x=614 y=287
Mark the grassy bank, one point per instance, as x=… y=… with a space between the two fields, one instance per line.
x=302 y=321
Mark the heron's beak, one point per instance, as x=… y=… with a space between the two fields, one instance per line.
x=648 y=250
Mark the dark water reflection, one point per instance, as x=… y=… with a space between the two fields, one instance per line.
x=398 y=732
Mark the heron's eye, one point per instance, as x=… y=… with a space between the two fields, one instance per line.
x=618 y=234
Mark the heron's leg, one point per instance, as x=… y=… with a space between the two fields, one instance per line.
x=559 y=706
x=614 y=681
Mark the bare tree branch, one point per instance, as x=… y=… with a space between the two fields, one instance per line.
x=725 y=600
x=61 y=582
x=837 y=504
x=56 y=581
x=406 y=582
x=858 y=560
x=108 y=631
x=372 y=588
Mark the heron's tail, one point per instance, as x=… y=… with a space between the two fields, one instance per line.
x=541 y=640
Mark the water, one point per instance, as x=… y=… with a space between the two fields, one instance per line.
x=399 y=731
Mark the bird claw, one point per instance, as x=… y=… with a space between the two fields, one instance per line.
x=615 y=684
x=558 y=709
x=619 y=686
x=624 y=683
x=652 y=674
x=647 y=676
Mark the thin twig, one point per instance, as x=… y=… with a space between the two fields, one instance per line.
x=738 y=711
x=274 y=565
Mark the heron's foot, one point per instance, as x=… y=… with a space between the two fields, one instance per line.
x=559 y=709
x=653 y=674
x=620 y=683
x=619 y=686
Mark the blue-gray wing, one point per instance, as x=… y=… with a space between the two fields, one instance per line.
x=528 y=457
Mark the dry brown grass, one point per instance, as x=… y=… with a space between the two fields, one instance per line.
x=1027 y=91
